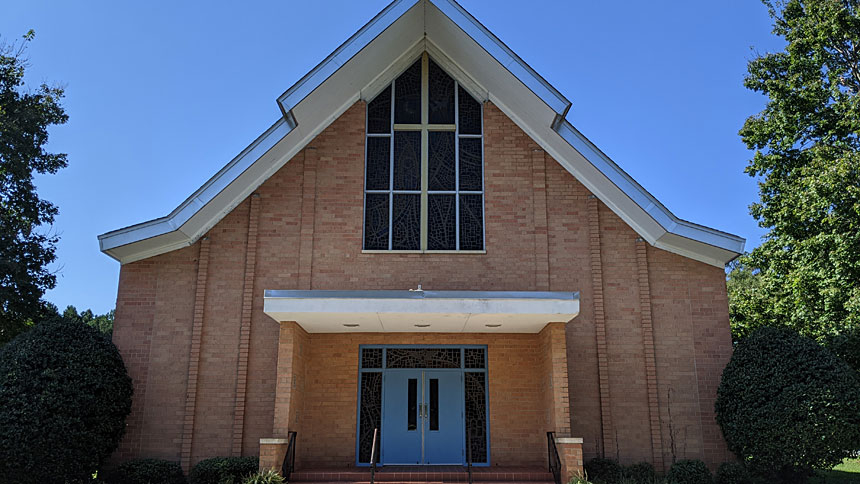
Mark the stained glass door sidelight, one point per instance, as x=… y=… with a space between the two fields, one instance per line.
x=423 y=400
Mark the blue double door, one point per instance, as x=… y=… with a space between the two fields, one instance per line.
x=423 y=418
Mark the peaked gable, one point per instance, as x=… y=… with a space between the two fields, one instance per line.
x=360 y=68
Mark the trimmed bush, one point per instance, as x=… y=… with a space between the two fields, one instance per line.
x=689 y=471
x=733 y=473
x=640 y=473
x=786 y=405
x=223 y=470
x=147 y=471
x=264 y=477
x=603 y=471
x=846 y=346
x=64 y=397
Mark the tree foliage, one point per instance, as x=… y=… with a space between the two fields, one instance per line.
x=846 y=345
x=25 y=247
x=102 y=322
x=807 y=160
x=787 y=405
x=64 y=397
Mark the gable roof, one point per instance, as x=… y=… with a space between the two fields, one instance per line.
x=367 y=62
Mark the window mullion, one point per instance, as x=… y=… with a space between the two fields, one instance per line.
x=391 y=171
x=425 y=143
x=457 y=165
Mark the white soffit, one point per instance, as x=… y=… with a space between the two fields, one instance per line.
x=368 y=61
x=421 y=311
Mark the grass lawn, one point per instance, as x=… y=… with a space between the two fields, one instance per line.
x=848 y=472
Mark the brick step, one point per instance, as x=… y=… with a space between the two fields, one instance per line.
x=483 y=475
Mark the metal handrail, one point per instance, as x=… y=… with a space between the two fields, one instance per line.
x=469 y=452
x=289 y=464
x=553 y=458
x=373 y=455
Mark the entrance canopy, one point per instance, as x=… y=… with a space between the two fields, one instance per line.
x=421 y=311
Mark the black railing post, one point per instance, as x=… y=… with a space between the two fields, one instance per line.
x=289 y=464
x=553 y=458
x=373 y=455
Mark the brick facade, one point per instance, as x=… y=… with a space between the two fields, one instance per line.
x=210 y=374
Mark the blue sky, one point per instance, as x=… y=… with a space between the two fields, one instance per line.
x=162 y=94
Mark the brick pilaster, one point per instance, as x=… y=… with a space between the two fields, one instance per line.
x=540 y=220
x=245 y=325
x=554 y=346
x=608 y=440
x=133 y=334
x=289 y=383
x=194 y=357
x=306 y=244
x=650 y=361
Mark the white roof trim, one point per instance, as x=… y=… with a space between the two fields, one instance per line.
x=368 y=61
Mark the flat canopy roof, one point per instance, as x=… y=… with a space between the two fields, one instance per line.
x=421 y=311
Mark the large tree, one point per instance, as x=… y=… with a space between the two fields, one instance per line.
x=102 y=322
x=27 y=246
x=807 y=161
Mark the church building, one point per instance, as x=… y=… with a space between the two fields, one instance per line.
x=424 y=253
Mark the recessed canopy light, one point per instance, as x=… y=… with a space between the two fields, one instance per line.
x=422 y=325
x=351 y=325
x=494 y=325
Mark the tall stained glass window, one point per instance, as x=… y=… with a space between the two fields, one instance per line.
x=424 y=172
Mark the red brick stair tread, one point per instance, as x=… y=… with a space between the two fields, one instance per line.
x=390 y=475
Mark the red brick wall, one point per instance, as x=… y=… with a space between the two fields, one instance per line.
x=309 y=236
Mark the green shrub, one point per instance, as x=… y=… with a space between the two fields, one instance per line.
x=64 y=397
x=603 y=471
x=733 y=473
x=846 y=345
x=640 y=473
x=786 y=405
x=147 y=471
x=579 y=480
x=264 y=477
x=689 y=471
x=223 y=470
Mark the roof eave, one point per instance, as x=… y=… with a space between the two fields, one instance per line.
x=666 y=222
x=545 y=122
